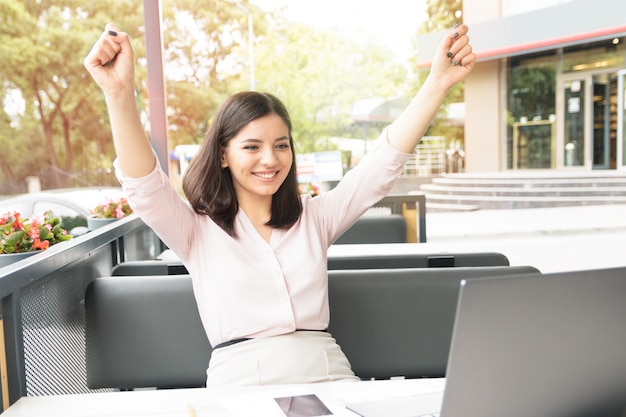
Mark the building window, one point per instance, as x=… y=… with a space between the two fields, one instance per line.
x=531 y=81
x=608 y=53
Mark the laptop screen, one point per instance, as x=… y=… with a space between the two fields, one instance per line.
x=539 y=345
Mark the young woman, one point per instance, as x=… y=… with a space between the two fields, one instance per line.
x=255 y=249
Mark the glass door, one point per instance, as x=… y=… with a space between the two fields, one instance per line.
x=591 y=120
x=621 y=119
x=574 y=115
x=604 y=120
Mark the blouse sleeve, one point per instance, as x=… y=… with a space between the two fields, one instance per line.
x=158 y=204
x=360 y=188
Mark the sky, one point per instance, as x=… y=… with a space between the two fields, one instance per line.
x=393 y=22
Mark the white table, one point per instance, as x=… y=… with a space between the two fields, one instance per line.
x=248 y=401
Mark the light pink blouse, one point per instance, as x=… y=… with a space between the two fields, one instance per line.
x=244 y=286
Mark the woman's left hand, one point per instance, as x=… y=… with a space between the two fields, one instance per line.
x=454 y=58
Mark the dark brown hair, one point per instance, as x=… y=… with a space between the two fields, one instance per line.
x=209 y=187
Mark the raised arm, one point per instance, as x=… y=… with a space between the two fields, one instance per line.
x=111 y=63
x=453 y=60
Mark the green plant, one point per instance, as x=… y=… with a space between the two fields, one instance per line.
x=19 y=235
x=111 y=209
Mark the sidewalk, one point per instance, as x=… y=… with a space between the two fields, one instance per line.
x=551 y=239
x=482 y=223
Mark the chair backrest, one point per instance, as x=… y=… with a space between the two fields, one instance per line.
x=144 y=331
x=398 y=322
x=150 y=267
x=362 y=261
x=416 y=260
x=375 y=229
x=365 y=261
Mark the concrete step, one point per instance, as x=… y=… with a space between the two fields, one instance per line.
x=448 y=208
x=494 y=191
x=531 y=182
x=513 y=190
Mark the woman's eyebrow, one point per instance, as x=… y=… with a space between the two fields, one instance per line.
x=256 y=140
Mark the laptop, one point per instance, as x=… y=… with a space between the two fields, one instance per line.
x=531 y=345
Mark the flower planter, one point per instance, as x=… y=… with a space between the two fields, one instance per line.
x=9 y=258
x=30 y=236
x=94 y=223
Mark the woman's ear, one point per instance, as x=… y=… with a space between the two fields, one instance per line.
x=224 y=163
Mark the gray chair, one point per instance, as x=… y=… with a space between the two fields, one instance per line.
x=144 y=331
x=413 y=260
x=375 y=229
x=417 y=260
x=398 y=322
x=150 y=267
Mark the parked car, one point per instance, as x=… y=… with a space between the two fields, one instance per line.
x=71 y=205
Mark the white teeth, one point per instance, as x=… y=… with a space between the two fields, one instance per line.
x=266 y=176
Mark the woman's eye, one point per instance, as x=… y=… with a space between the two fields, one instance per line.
x=283 y=146
x=251 y=147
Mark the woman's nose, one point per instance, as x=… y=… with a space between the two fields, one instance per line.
x=268 y=157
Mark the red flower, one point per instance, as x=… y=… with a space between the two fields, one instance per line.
x=26 y=235
x=41 y=244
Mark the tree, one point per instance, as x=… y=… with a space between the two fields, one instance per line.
x=54 y=119
x=199 y=43
x=54 y=114
x=42 y=46
x=319 y=76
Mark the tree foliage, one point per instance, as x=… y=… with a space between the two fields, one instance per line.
x=53 y=114
x=42 y=46
x=53 y=119
x=442 y=15
x=201 y=64
x=320 y=76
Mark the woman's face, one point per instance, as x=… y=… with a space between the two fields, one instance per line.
x=259 y=157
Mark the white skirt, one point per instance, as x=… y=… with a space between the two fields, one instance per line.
x=300 y=357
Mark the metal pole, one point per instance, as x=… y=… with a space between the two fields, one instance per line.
x=156 y=85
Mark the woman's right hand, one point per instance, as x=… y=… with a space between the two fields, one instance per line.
x=111 y=61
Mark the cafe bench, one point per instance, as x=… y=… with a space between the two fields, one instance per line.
x=145 y=331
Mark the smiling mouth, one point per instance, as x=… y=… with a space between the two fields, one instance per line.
x=265 y=176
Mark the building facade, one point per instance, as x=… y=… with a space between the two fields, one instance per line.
x=549 y=88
